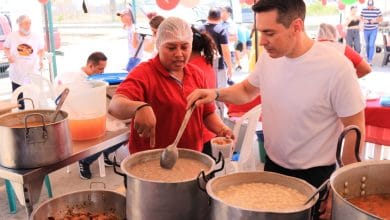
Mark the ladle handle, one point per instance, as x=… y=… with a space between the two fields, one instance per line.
x=340 y=143
x=61 y=98
x=183 y=125
x=317 y=191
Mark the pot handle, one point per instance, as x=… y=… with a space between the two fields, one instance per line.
x=205 y=180
x=220 y=159
x=340 y=143
x=29 y=99
x=30 y=136
x=119 y=173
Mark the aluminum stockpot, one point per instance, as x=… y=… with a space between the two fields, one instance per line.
x=354 y=180
x=29 y=139
x=161 y=200
x=92 y=201
x=220 y=210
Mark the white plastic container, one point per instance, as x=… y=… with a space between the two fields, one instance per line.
x=86 y=106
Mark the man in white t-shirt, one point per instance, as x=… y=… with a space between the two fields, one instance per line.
x=24 y=51
x=309 y=93
x=96 y=63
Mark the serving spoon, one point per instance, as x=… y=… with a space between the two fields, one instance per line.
x=62 y=98
x=170 y=154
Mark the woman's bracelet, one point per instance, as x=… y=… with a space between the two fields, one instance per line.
x=140 y=107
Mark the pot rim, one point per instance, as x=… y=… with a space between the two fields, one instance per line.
x=213 y=195
x=73 y=193
x=348 y=167
x=128 y=158
x=25 y=112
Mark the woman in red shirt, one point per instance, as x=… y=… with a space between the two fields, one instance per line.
x=154 y=94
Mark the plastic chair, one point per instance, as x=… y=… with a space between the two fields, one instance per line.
x=11 y=193
x=247 y=158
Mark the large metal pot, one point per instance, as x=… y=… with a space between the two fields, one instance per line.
x=356 y=179
x=28 y=139
x=223 y=211
x=160 y=200
x=93 y=201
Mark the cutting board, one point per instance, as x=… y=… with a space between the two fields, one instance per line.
x=6 y=106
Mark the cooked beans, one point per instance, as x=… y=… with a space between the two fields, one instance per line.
x=377 y=204
x=184 y=169
x=264 y=196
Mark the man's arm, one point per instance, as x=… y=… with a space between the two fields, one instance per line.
x=239 y=93
x=348 y=155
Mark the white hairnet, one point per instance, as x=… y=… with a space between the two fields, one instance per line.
x=173 y=29
x=327 y=32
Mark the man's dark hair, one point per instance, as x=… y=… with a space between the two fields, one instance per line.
x=288 y=10
x=96 y=57
x=214 y=14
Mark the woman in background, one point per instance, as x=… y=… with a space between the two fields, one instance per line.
x=353 y=29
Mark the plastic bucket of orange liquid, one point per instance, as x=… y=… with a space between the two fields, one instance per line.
x=86 y=106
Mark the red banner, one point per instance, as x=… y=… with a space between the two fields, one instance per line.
x=167 y=4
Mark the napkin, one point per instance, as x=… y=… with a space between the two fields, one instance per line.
x=385 y=101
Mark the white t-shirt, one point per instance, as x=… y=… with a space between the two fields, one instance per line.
x=71 y=77
x=303 y=99
x=24 y=49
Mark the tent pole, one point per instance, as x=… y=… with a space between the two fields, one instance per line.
x=50 y=40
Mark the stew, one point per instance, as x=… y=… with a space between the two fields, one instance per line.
x=377 y=204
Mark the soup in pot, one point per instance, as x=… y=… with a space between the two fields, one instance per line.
x=376 y=204
x=263 y=196
x=185 y=169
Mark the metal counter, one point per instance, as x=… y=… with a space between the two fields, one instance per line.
x=31 y=180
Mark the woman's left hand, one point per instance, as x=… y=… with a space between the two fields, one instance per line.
x=226 y=132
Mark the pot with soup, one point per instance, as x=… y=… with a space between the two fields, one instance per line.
x=29 y=139
x=260 y=196
x=360 y=190
x=157 y=193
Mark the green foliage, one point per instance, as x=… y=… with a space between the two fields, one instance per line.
x=316 y=9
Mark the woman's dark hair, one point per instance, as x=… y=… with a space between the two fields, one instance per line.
x=288 y=10
x=204 y=44
x=155 y=21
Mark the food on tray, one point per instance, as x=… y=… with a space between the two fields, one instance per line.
x=263 y=196
x=377 y=204
x=184 y=169
x=87 y=216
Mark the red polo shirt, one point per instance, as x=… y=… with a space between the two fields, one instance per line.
x=150 y=82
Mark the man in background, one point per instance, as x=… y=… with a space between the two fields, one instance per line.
x=24 y=51
x=371 y=17
x=96 y=63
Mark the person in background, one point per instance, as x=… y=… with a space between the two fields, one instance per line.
x=353 y=29
x=154 y=95
x=241 y=47
x=154 y=22
x=328 y=35
x=231 y=27
x=371 y=17
x=221 y=38
x=134 y=39
x=96 y=63
x=24 y=51
x=309 y=92
x=203 y=52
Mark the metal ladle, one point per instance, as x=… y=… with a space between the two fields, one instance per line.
x=317 y=191
x=170 y=154
x=62 y=98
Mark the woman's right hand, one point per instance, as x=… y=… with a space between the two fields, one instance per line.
x=145 y=124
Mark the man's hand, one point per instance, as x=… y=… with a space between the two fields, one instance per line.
x=11 y=59
x=145 y=124
x=201 y=96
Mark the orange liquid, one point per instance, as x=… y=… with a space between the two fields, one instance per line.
x=87 y=129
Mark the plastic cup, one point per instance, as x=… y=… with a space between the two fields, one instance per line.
x=223 y=145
